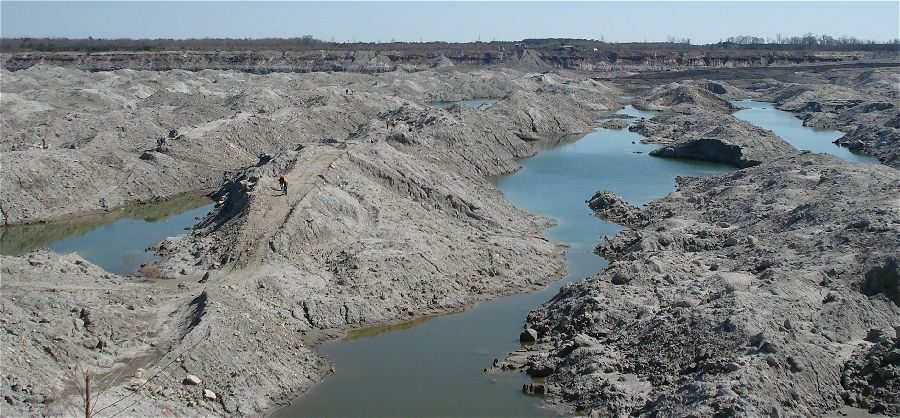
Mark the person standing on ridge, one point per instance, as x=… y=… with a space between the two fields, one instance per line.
x=283 y=183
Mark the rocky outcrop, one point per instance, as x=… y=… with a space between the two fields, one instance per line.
x=871 y=124
x=861 y=103
x=687 y=97
x=441 y=62
x=614 y=123
x=291 y=56
x=711 y=136
x=610 y=206
x=743 y=294
x=695 y=123
x=870 y=378
x=880 y=142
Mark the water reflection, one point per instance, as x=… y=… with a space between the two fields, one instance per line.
x=433 y=368
x=784 y=124
x=116 y=241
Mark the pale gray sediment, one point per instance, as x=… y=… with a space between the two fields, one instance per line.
x=695 y=123
x=711 y=136
x=390 y=216
x=769 y=291
x=746 y=293
x=861 y=103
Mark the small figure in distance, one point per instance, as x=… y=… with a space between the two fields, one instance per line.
x=283 y=183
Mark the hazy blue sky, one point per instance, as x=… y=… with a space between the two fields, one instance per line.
x=613 y=21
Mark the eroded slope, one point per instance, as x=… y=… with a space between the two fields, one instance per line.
x=747 y=293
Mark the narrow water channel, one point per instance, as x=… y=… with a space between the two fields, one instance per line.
x=434 y=367
x=791 y=129
x=473 y=103
x=116 y=241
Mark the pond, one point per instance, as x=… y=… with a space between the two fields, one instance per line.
x=116 y=241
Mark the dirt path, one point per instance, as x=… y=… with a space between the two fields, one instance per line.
x=270 y=215
x=399 y=223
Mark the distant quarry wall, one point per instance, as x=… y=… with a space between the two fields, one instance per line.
x=373 y=61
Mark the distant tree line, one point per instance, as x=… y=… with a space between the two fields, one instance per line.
x=206 y=44
x=304 y=43
x=677 y=40
x=807 y=41
x=308 y=42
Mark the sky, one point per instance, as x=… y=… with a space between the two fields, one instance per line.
x=701 y=22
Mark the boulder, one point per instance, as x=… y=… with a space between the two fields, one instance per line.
x=621 y=277
x=534 y=389
x=610 y=206
x=540 y=370
x=191 y=380
x=528 y=336
x=614 y=124
x=208 y=394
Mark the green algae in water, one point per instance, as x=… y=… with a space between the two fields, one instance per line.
x=376 y=331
